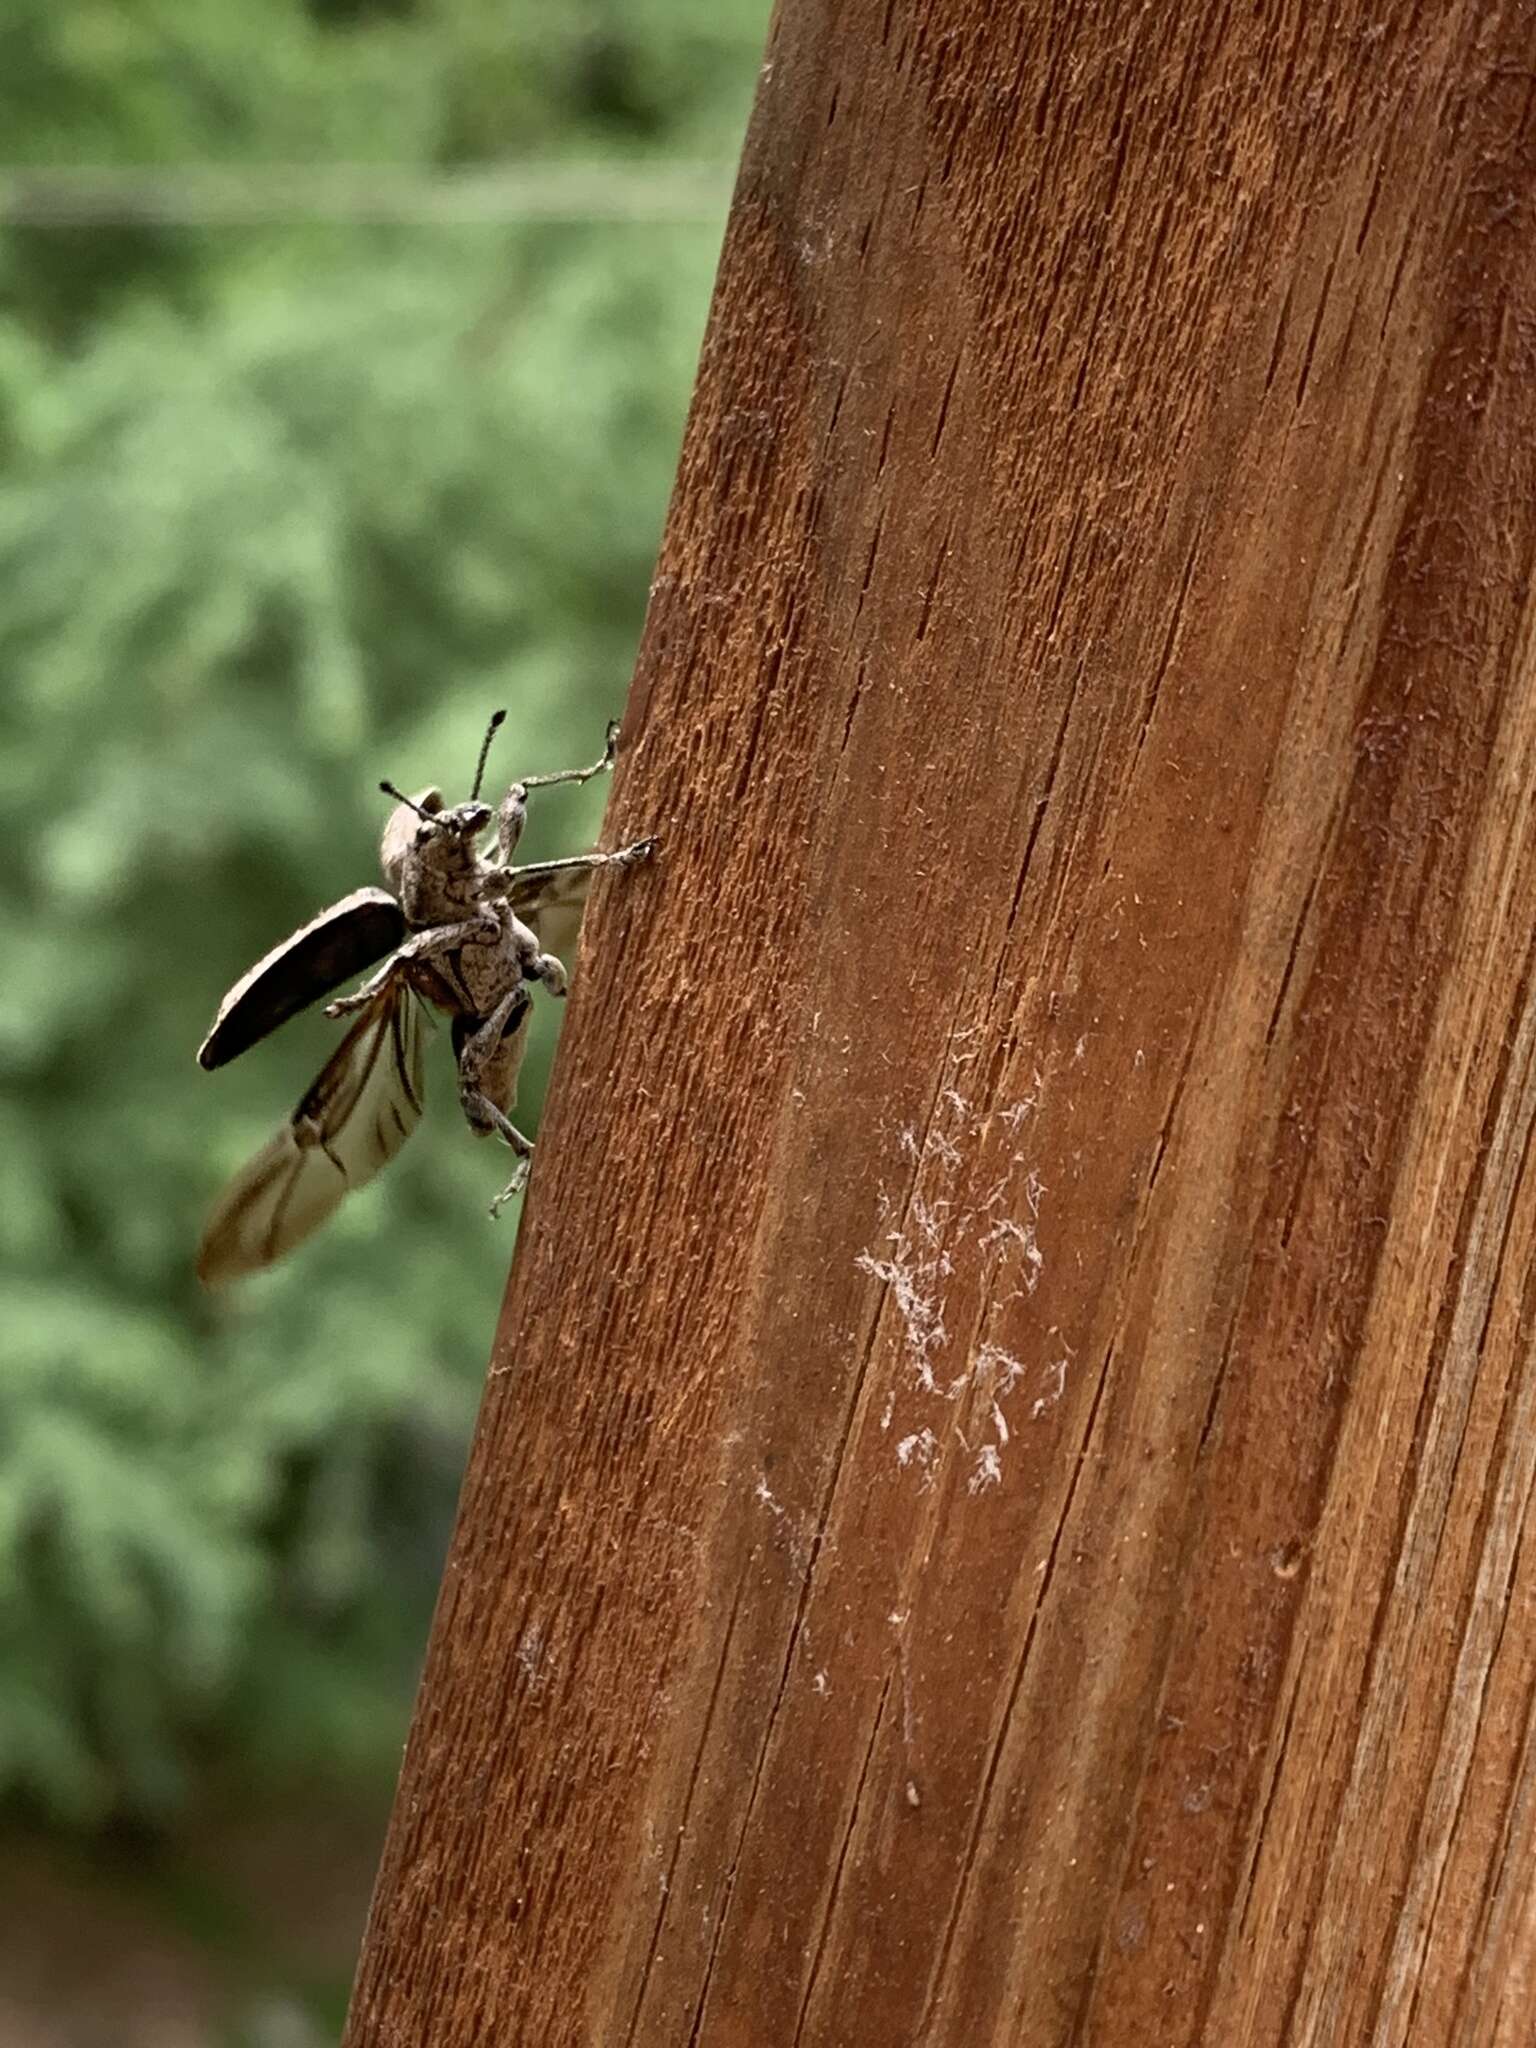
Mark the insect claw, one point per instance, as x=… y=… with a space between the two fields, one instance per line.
x=513 y=1187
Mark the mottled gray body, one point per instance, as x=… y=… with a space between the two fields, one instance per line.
x=470 y=945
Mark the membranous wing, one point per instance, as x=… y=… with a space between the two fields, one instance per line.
x=337 y=945
x=552 y=904
x=357 y=1114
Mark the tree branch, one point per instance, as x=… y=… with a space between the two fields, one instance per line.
x=998 y=1511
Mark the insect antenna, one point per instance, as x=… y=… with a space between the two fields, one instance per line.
x=400 y=797
x=485 y=752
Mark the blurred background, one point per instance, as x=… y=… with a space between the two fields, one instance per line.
x=345 y=347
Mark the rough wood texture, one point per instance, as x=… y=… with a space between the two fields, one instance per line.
x=999 y=1512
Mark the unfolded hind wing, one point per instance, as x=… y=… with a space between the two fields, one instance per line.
x=358 y=1112
x=552 y=905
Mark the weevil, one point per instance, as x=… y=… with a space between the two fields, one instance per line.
x=464 y=934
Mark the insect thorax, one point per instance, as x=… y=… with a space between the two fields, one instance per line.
x=439 y=882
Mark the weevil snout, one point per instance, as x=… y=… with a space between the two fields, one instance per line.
x=467 y=820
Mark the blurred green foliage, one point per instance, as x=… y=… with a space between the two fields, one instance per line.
x=283 y=508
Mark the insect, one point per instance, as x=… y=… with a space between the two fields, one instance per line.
x=464 y=934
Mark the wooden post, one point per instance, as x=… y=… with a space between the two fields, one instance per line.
x=998 y=1513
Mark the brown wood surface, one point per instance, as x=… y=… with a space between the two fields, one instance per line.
x=999 y=1511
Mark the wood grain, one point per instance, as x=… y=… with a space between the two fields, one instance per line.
x=999 y=1514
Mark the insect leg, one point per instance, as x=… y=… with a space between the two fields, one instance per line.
x=550 y=969
x=604 y=760
x=625 y=857
x=528 y=880
x=443 y=938
x=533 y=963
x=514 y=805
x=489 y=1056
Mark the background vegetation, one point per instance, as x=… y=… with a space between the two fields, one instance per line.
x=318 y=441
